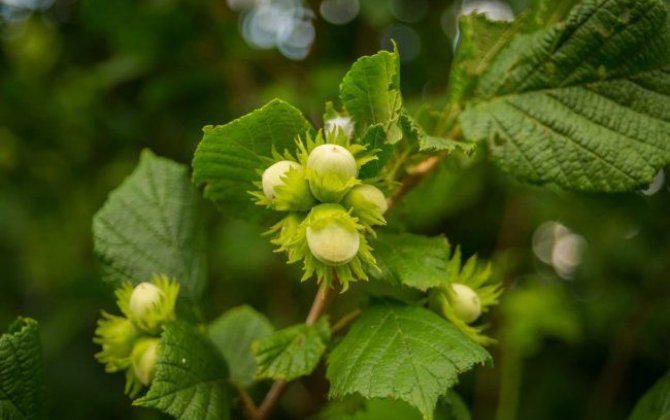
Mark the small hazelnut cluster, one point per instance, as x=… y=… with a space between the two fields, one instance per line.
x=466 y=294
x=330 y=210
x=131 y=342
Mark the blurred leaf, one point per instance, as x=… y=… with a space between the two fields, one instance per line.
x=655 y=403
x=191 y=379
x=449 y=189
x=356 y=407
x=582 y=104
x=21 y=372
x=233 y=332
x=411 y=260
x=535 y=312
x=231 y=157
x=374 y=409
x=370 y=92
x=404 y=352
x=292 y=352
x=151 y=225
x=457 y=408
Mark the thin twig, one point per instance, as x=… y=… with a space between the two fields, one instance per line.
x=344 y=322
x=321 y=301
x=248 y=405
x=271 y=399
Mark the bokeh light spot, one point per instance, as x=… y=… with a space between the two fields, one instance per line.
x=339 y=12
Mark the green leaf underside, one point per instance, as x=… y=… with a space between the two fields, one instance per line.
x=151 y=225
x=480 y=41
x=233 y=334
x=375 y=139
x=21 y=372
x=411 y=260
x=548 y=12
x=414 y=132
x=401 y=352
x=370 y=92
x=655 y=403
x=585 y=104
x=432 y=143
x=230 y=157
x=292 y=352
x=191 y=377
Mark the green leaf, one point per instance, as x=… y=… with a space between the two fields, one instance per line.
x=233 y=333
x=655 y=403
x=375 y=139
x=191 y=379
x=411 y=260
x=583 y=104
x=370 y=92
x=413 y=132
x=402 y=352
x=150 y=225
x=231 y=157
x=21 y=372
x=292 y=352
x=432 y=143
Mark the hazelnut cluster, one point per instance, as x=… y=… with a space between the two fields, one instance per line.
x=329 y=209
x=468 y=292
x=131 y=342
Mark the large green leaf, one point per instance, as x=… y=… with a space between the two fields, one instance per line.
x=411 y=260
x=370 y=92
x=292 y=352
x=191 y=379
x=233 y=334
x=402 y=352
x=655 y=404
x=150 y=225
x=21 y=372
x=230 y=157
x=584 y=104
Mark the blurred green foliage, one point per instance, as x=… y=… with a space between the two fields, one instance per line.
x=84 y=86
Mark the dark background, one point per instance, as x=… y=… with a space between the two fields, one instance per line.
x=86 y=85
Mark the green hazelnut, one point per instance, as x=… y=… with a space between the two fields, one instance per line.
x=274 y=176
x=331 y=234
x=332 y=159
x=465 y=302
x=145 y=297
x=332 y=171
x=367 y=202
x=117 y=336
x=144 y=357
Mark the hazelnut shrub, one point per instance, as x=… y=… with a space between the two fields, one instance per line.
x=328 y=196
